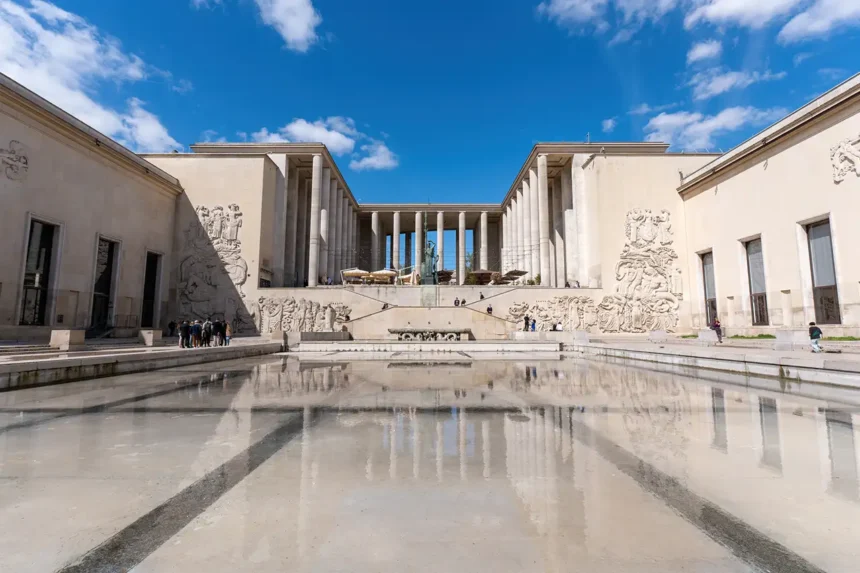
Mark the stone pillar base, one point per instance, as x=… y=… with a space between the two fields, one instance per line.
x=68 y=340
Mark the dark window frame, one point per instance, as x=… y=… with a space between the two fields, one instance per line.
x=758 y=301
x=825 y=298
x=711 y=309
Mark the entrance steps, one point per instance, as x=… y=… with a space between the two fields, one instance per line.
x=466 y=346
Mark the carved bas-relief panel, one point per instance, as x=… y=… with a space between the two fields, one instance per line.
x=212 y=271
x=14 y=161
x=648 y=293
x=277 y=314
x=845 y=158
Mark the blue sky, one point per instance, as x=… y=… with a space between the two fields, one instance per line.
x=421 y=99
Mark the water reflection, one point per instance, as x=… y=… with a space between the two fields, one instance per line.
x=567 y=462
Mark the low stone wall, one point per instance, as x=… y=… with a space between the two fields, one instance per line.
x=431 y=347
x=834 y=372
x=31 y=373
x=482 y=325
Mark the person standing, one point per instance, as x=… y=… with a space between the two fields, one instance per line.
x=184 y=335
x=718 y=328
x=207 y=333
x=815 y=336
x=196 y=333
x=457 y=301
x=490 y=309
x=171 y=329
x=534 y=325
x=217 y=333
x=527 y=323
x=228 y=333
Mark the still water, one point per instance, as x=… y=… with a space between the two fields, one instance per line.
x=277 y=464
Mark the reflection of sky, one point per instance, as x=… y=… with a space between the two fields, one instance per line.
x=450 y=435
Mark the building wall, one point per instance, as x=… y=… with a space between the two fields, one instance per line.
x=218 y=275
x=772 y=196
x=87 y=196
x=641 y=187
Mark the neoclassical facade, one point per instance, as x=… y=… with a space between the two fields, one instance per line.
x=607 y=237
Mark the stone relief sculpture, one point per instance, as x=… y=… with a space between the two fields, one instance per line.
x=845 y=158
x=212 y=263
x=15 y=161
x=647 y=296
x=286 y=314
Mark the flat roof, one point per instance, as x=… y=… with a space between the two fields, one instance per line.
x=791 y=123
x=82 y=130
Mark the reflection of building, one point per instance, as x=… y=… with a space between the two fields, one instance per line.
x=100 y=237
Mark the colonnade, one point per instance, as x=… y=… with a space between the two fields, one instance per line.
x=547 y=226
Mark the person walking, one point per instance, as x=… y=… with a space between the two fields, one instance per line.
x=815 y=336
x=534 y=325
x=482 y=296
x=228 y=333
x=490 y=309
x=718 y=328
x=457 y=301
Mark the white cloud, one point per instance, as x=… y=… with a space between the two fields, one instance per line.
x=704 y=51
x=64 y=59
x=750 y=13
x=820 y=19
x=696 y=132
x=575 y=13
x=832 y=74
x=585 y=15
x=211 y=136
x=716 y=81
x=378 y=158
x=295 y=20
x=800 y=58
x=205 y=3
x=645 y=109
x=609 y=125
x=340 y=136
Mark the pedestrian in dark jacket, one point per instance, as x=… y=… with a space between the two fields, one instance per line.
x=184 y=335
x=815 y=336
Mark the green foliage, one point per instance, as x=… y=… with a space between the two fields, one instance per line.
x=537 y=280
x=841 y=338
x=471 y=279
x=689 y=336
x=756 y=337
x=530 y=282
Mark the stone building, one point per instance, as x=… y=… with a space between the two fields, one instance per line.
x=98 y=237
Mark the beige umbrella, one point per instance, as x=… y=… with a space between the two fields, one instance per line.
x=384 y=273
x=355 y=273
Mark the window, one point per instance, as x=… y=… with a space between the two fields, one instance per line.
x=150 y=290
x=37 y=274
x=824 y=292
x=758 y=292
x=710 y=287
x=103 y=287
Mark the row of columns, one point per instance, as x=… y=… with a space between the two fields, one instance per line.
x=333 y=227
x=548 y=227
x=415 y=252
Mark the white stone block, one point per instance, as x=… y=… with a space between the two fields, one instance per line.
x=791 y=338
x=708 y=336
x=581 y=336
x=68 y=339
x=149 y=336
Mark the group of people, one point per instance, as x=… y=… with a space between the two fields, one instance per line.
x=530 y=325
x=196 y=334
x=815 y=334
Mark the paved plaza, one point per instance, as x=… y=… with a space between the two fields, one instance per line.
x=433 y=464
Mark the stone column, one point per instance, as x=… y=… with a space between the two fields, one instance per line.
x=504 y=239
x=333 y=203
x=344 y=235
x=534 y=214
x=395 y=241
x=589 y=258
x=571 y=249
x=527 y=230
x=543 y=221
x=314 y=249
x=303 y=221
x=485 y=244
x=440 y=240
x=374 y=241
x=516 y=232
x=419 y=239
x=279 y=229
x=558 y=233
x=292 y=225
x=461 y=249
x=325 y=221
x=356 y=237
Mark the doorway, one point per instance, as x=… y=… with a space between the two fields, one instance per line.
x=102 y=312
x=150 y=290
x=38 y=274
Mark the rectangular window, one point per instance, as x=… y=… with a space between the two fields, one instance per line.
x=710 y=287
x=758 y=292
x=103 y=286
x=771 y=453
x=37 y=274
x=824 y=291
x=150 y=290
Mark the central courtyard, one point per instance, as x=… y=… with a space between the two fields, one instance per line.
x=428 y=463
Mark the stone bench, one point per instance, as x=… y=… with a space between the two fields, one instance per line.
x=791 y=338
x=708 y=337
x=149 y=337
x=431 y=334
